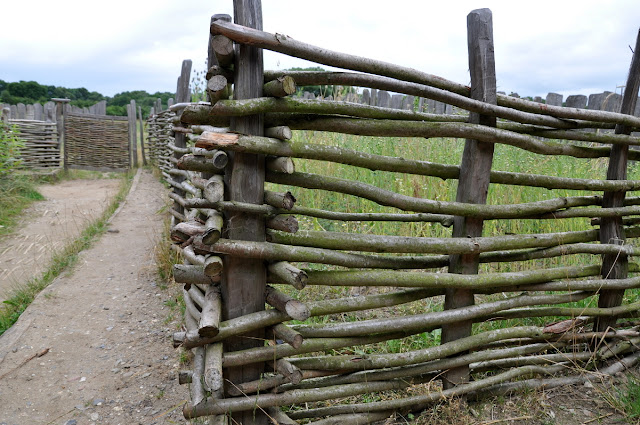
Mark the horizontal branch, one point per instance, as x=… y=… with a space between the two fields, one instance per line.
x=408 y=203
x=403 y=128
x=408 y=244
x=412 y=323
x=509 y=107
x=284 y=44
x=303 y=149
x=265 y=318
x=447 y=280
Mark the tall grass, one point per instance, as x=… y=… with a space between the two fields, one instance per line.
x=446 y=151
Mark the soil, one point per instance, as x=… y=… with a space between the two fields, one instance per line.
x=95 y=346
x=49 y=225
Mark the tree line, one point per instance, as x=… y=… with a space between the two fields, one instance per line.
x=29 y=92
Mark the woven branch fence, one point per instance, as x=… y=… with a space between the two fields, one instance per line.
x=96 y=142
x=159 y=137
x=243 y=246
x=41 y=149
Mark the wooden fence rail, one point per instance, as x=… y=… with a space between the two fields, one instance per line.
x=243 y=242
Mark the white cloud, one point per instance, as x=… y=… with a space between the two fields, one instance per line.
x=127 y=45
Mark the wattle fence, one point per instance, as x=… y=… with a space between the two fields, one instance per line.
x=91 y=139
x=245 y=247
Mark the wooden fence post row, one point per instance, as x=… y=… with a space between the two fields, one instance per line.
x=246 y=246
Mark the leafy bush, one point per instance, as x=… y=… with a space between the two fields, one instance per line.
x=10 y=146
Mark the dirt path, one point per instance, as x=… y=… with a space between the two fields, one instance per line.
x=49 y=225
x=102 y=333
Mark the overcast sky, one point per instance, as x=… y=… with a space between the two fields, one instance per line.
x=569 y=47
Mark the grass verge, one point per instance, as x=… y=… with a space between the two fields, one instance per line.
x=17 y=194
x=23 y=295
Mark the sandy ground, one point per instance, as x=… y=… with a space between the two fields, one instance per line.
x=102 y=333
x=49 y=225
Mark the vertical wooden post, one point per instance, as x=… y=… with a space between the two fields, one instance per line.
x=144 y=159
x=60 y=115
x=244 y=280
x=616 y=266
x=134 y=131
x=475 y=168
x=182 y=95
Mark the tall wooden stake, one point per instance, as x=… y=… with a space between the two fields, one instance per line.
x=144 y=157
x=611 y=230
x=182 y=95
x=244 y=280
x=131 y=112
x=474 y=175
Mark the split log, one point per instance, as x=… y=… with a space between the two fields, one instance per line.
x=289 y=274
x=286 y=304
x=279 y=200
x=211 y=313
x=280 y=87
x=288 y=335
x=283 y=222
x=281 y=132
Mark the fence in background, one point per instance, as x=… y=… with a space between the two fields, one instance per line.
x=160 y=135
x=244 y=246
x=606 y=101
x=96 y=142
x=92 y=140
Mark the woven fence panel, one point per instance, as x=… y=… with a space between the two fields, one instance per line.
x=41 y=147
x=97 y=142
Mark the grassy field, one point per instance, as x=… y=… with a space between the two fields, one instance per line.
x=446 y=151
